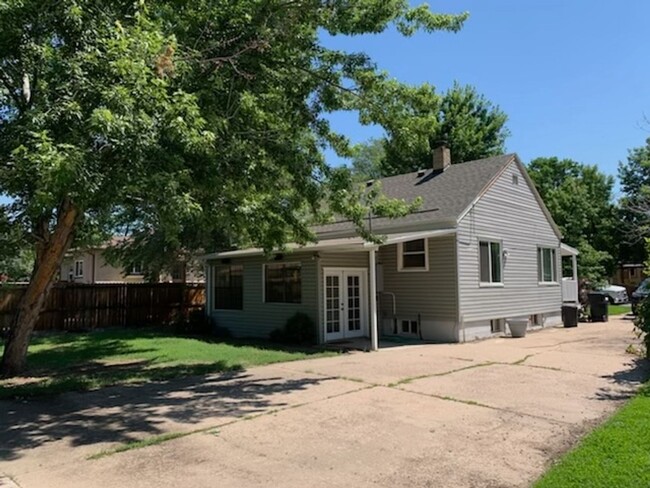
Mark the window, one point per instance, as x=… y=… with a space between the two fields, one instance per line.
x=282 y=283
x=228 y=288
x=136 y=269
x=546 y=265
x=79 y=269
x=490 y=261
x=496 y=325
x=409 y=326
x=412 y=255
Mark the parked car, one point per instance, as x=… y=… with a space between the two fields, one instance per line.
x=617 y=294
x=640 y=293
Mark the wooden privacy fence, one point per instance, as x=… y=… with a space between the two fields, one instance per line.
x=73 y=306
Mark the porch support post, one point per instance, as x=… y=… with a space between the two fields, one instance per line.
x=374 y=339
x=574 y=265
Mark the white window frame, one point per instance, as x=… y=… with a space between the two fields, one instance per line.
x=400 y=257
x=133 y=272
x=490 y=242
x=281 y=263
x=540 y=266
x=77 y=267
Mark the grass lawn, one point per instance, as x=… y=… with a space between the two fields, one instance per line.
x=620 y=309
x=78 y=362
x=616 y=454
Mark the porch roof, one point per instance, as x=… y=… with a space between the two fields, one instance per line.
x=566 y=250
x=340 y=245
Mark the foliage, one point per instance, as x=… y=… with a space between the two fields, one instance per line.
x=634 y=176
x=367 y=159
x=615 y=454
x=580 y=200
x=299 y=329
x=196 y=323
x=16 y=257
x=416 y=119
x=183 y=124
x=642 y=321
x=125 y=356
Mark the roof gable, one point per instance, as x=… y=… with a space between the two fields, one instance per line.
x=445 y=194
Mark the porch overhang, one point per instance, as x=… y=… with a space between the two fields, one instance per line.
x=346 y=244
x=566 y=250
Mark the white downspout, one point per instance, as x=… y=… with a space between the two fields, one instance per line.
x=374 y=339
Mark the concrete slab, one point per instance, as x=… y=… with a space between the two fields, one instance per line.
x=384 y=367
x=542 y=393
x=376 y=437
x=326 y=422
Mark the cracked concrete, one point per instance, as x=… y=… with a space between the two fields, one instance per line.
x=491 y=413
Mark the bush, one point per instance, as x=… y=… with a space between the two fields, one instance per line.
x=299 y=329
x=642 y=323
x=196 y=323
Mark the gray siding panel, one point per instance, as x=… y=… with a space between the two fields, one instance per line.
x=510 y=213
x=258 y=319
x=431 y=295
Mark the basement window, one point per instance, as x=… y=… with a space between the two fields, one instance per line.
x=409 y=326
x=496 y=326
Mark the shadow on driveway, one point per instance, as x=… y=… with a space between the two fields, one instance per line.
x=127 y=413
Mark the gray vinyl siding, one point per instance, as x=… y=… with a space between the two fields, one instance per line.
x=429 y=295
x=511 y=214
x=258 y=319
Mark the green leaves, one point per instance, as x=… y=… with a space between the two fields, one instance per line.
x=189 y=125
x=580 y=200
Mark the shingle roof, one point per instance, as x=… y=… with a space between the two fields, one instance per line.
x=445 y=195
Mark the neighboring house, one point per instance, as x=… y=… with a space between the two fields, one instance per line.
x=90 y=266
x=481 y=249
x=629 y=276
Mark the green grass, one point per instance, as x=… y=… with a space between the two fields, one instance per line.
x=619 y=309
x=79 y=362
x=617 y=454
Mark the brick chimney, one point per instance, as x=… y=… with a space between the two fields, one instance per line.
x=441 y=158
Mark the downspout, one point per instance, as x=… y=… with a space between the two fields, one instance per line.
x=460 y=320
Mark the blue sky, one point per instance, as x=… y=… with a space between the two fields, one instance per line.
x=572 y=75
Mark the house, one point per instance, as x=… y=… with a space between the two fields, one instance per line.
x=90 y=266
x=482 y=248
x=629 y=275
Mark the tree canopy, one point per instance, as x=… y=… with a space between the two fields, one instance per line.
x=580 y=200
x=180 y=123
x=634 y=175
x=417 y=119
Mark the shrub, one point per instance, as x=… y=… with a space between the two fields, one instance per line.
x=299 y=329
x=642 y=323
x=196 y=323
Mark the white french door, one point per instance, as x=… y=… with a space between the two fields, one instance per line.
x=345 y=303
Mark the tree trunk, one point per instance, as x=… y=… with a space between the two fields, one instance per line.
x=49 y=256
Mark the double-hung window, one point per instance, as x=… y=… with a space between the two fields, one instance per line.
x=490 y=262
x=546 y=265
x=412 y=255
x=79 y=268
x=282 y=283
x=228 y=287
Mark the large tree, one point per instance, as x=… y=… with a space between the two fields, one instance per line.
x=178 y=122
x=634 y=175
x=580 y=199
x=416 y=119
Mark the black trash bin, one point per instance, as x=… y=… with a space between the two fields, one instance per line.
x=598 y=307
x=570 y=315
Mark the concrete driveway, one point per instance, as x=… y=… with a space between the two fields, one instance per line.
x=485 y=414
